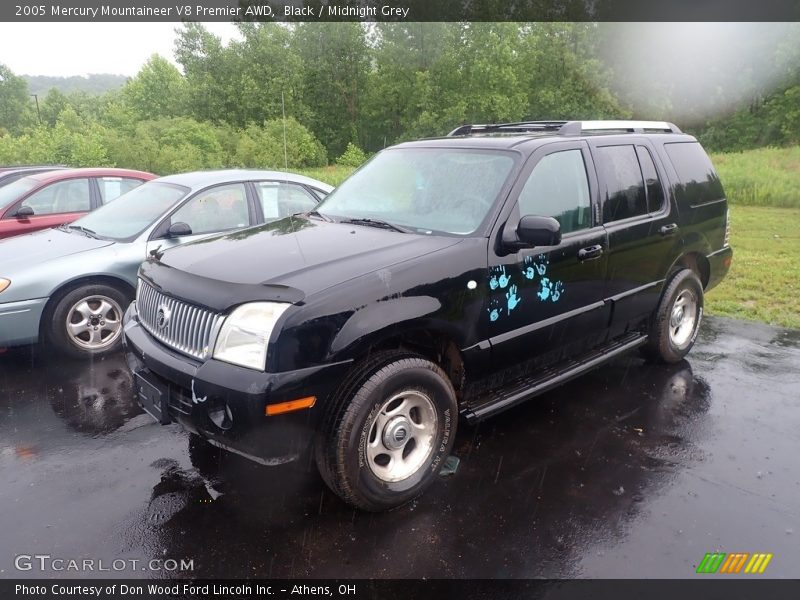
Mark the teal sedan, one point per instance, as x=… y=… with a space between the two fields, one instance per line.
x=69 y=286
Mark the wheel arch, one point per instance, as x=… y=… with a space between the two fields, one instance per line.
x=66 y=287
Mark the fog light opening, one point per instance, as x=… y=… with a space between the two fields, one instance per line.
x=220 y=414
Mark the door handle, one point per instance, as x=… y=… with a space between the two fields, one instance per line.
x=668 y=229
x=590 y=253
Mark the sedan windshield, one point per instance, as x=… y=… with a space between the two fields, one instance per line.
x=15 y=190
x=427 y=190
x=132 y=213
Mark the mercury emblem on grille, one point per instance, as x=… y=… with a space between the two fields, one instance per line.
x=163 y=316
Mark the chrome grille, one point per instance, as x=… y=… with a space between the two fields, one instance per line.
x=189 y=329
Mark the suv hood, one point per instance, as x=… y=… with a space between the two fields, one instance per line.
x=24 y=252
x=298 y=254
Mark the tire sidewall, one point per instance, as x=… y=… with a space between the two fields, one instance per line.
x=387 y=494
x=684 y=280
x=57 y=331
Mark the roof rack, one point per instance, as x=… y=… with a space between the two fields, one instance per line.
x=569 y=127
x=519 y=127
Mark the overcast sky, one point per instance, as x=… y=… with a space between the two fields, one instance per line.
x=81 y=48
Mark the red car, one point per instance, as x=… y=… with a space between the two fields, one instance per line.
x=57 y=197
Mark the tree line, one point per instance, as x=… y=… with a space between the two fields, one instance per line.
x=338 y=90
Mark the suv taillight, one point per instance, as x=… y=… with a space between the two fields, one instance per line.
x=727 y=238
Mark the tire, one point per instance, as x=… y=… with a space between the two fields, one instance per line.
x=676 y=321
x=387 y=439
x=87 y=321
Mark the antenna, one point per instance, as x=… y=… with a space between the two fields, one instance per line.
x=285 y=152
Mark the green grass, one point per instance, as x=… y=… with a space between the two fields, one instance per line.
x=333 y=175
x=764 y=281
x=763 y=177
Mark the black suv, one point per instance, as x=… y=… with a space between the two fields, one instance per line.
x=446 y=277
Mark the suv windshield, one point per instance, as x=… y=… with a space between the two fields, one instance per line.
x=132 y=213
x=424 y=189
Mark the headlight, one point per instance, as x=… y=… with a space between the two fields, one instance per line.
x=245 y=333
x=4 y=283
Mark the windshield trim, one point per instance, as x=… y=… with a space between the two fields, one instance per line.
x=483 y=230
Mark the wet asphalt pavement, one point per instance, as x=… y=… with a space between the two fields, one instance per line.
x=634 y=470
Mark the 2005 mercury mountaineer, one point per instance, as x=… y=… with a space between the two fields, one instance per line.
x=446 y=278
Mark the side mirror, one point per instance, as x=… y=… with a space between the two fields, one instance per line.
x=533 y=231
x=179 y=229
x=24 y=212
x=539 y=231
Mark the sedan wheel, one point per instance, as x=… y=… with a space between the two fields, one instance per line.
x=87 y=320
x=95 y=322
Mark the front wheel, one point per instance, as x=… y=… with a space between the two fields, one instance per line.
x=677 y=319
x=388 y=443
x=87 y=321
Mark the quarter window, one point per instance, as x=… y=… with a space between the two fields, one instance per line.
x=558 y=188
x=655 y=193
x=625 y=194
x=218 y=209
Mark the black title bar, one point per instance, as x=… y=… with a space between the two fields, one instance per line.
x=398 y=10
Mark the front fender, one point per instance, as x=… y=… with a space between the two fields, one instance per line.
x=372 y=319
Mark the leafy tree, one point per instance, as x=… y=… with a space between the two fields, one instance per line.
x=263 y=147
x=335 y=65
x=158 y=90
x=15 y=104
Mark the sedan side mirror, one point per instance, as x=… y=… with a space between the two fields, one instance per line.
x=179 y=229
x=24 y=212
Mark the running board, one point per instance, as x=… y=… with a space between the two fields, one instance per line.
x=520 y=390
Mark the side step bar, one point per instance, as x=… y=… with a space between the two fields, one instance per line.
x=498 y=400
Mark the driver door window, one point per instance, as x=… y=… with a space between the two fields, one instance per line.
x=219 y=209
x=67 y=196
x=558 y=188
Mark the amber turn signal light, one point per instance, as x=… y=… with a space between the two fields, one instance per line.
x=290 y=406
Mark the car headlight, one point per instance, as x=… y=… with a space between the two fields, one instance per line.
x=4 y=283
x=245 y=333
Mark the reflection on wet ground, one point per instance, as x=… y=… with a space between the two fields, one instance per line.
x=632 y=471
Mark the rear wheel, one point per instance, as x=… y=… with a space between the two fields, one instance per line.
x=389 y=439
x=87 y=321
x=677 y=319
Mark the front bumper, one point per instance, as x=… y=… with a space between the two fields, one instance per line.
x=224 y=403
x=19 y=322
x=719 y=263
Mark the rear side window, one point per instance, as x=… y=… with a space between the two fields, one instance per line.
x=279 y=200
x=112 y=188
x=699 y=182
x=618 y=168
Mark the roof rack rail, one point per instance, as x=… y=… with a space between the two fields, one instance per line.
x=567 y=127
x=580 y=127
x=518 y=127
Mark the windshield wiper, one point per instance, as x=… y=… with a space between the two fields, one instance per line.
x=84 y=230
x=377 y=223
